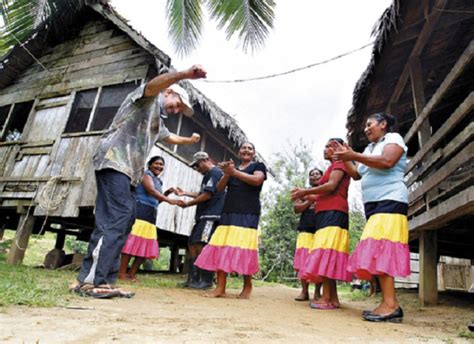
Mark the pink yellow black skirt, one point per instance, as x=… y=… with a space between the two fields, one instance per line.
x=233 y=246
x=329 y=250
x=304 y=241
x=143 y=239
x=383 y=248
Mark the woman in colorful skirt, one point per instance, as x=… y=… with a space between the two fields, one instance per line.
x=306 y=228
x=234 y=245
x=327 y=259
x=383 y=250
x=142 y=242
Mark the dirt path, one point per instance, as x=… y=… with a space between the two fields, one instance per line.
x=184 y=316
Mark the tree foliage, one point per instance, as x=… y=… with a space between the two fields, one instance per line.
x=279 y=222
x=249 y=20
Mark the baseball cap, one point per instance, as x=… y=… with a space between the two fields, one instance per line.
x=198 y=156
x=183 y=94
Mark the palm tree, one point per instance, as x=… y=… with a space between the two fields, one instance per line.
x=250 y=20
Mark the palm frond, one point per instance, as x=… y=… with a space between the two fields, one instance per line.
x=185 y=22
x=21 y=18
x=251 y=20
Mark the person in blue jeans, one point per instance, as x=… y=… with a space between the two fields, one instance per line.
x=119 y=164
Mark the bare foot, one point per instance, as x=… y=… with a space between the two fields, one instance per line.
x=316 y=297
x=122 y=277
x=302 y=297
x=245 y=294
x=215 y=293
x=132 y=278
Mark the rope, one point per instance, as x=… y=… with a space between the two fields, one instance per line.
x=49 y=200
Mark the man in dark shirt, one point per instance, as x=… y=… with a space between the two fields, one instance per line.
x=208 y=212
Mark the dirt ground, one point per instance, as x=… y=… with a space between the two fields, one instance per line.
x=271 y=316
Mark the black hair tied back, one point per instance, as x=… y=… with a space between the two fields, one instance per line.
x=380 y=117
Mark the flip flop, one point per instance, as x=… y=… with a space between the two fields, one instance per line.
x=323 y=306
x=298 y=298
x=103 y=293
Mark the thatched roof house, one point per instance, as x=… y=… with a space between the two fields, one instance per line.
x=422 y=72
x=59 y=91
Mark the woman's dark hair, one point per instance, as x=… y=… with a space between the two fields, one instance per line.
x=155 y=158
x=337 y=139
x=246 y=142
x=315 y=169
x=380 y=117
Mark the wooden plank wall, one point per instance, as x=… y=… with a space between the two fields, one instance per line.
x=177 y=173
x=98 y=55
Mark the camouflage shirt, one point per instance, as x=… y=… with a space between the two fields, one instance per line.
x=131 y=136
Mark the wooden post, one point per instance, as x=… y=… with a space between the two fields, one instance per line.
x=428 y=289
x=174 y=259
x=2 y=231
x=60 y=239
x=22 y=236
x=416 y=75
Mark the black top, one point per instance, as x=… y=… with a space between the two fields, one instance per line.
x=212 y=208
x=241 y=197
x=307 y=219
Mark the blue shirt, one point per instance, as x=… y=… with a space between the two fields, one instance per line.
x=142 y=194
x=384 y=184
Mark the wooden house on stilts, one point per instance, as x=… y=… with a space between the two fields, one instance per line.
x=59 y=91
x=422 y=72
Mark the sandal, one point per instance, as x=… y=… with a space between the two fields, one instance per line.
x=302 y=298
x=100 y=292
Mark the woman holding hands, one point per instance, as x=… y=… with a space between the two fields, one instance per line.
x=234 y=244
x=383 y=250
x=327 y=258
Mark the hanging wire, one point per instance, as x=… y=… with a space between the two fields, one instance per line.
x=289 y=71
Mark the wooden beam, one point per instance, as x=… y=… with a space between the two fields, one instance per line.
x=417 y=88
x=37 y=179
x=460 y=140
x=428 y=288
x=420 y=43
x=462 y=110
x=436 y=217
x=458 y=68
x=462 y=157
x=22 y=236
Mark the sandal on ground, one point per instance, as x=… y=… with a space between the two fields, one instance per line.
x=302 y=298
x=100 y=292
x=323 y=306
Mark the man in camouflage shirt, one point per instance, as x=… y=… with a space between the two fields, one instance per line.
x=119 y=163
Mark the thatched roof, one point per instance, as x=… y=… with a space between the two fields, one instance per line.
x=50 y=33
x=398 y=33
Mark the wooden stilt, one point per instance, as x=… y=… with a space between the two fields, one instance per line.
x=22 y=236
x=428 y=290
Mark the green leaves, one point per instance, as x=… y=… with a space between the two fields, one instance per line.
x=185 y=19
x=249 y=19
x=20 y=18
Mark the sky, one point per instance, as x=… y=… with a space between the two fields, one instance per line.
x=311 y=105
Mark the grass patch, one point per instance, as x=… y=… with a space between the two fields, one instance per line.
x=465 y=333
x=22 y=285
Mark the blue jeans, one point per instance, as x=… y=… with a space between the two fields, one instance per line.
x=114 y=217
